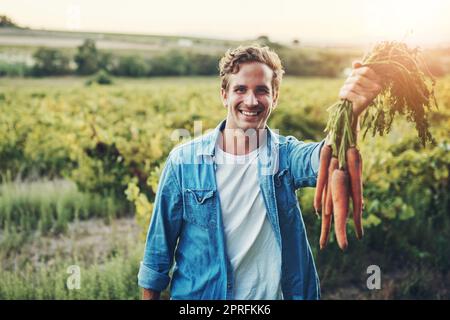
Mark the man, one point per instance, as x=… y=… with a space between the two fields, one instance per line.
x=226 y=211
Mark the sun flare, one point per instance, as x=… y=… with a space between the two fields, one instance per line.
x=406 y=20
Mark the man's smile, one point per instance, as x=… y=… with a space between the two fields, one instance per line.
x=250 y=113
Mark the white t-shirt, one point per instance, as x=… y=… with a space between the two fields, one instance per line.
x=251 y=245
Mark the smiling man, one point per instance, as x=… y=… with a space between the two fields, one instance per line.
x=226 y=215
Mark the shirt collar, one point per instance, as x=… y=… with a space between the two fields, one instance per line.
x=209 y=141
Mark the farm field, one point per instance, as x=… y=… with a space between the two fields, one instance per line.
x=79 y=167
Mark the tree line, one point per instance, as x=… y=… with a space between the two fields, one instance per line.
x=88 y=60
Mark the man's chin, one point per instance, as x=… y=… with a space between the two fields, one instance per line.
x=246 y=125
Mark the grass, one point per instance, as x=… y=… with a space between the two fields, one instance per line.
x=48 y=206
x=48 y=226
x=107 y=257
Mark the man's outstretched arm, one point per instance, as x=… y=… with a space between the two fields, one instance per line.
x=361 y=87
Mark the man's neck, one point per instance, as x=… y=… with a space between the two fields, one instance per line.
x=240 y=142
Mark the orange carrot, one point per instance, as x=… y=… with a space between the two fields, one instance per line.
x=340 y=194
x=326 y=221
x=325 y=157
x=354 y=167
x=362 y=187
x=334 y=164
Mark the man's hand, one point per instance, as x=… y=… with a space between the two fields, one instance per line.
x=361 y=87
x=149 y=294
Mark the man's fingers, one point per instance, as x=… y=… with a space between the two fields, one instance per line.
x=356 y=89
x=359 y=101
x=363 y=82
x=367 y=73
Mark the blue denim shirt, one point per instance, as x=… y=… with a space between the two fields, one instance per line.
x=186 y=229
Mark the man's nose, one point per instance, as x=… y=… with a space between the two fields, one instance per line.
x=250 y=99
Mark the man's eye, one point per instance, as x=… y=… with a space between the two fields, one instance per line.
x=240 y=89
x=263 y=90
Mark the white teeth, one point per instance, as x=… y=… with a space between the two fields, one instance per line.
x=249 y=113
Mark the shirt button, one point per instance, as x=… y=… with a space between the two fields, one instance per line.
x=229 y=286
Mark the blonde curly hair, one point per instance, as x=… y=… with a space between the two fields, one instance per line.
x=230 y=62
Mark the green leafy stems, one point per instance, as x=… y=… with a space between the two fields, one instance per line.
x=407 y=89
x=341 y=128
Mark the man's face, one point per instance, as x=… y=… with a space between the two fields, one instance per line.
x=249 y=98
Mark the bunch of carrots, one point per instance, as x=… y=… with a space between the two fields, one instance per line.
x=407 y=89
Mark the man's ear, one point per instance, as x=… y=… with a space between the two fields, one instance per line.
x=275 y=100
x=223 y=95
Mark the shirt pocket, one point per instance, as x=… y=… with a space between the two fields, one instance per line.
x=200 y=207
x=284 y=189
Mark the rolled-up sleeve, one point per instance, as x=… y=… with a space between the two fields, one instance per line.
x=304 y=161
x=151 y=279
x=163 y=232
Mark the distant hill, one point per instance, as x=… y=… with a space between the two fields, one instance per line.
x=13 y=36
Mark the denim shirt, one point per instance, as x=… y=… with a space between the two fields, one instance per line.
x=186 y=230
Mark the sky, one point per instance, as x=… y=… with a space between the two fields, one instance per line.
x=424 y=22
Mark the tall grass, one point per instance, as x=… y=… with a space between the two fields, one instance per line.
x=37 y=214
x=48 y=206
x=115 y=278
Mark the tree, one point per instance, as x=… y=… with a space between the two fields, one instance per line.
x=171 y=63
x=87 y=58
x=264 y=40
x=132 y=66
x=6 y=22
x=105 y=61
x=203 y=64
x=50 y=62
